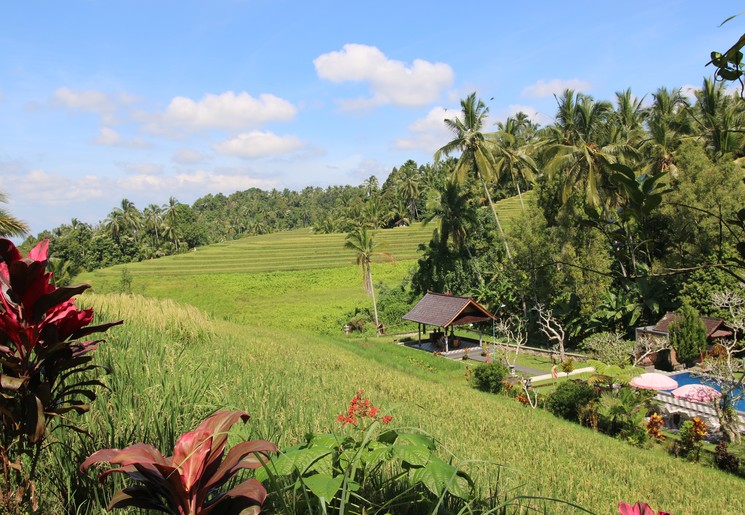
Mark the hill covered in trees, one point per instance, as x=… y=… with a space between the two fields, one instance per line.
x=634 y=208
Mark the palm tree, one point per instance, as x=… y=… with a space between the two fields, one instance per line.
x=10 y=225
x=582 y=146
x=666 y=127
x=131 y=218
x=113 y=223
x=454 y=213
x=153 y=220
x=630 y=115
x=719 y=119
x=363 y=245
x=512 y=152
x=407 y=185
x=476 y=148
x=171 y=218
x=371 y=186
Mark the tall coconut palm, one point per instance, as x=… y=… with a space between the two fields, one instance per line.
x=582 y=147
x=114 y=223
x=363 y=244
x=371 y=186
x=719 y=119
x=454 y=213
x=408 y=186
x=153 y=221
x=10 y=225
x=476 y=150
x=131 y=218
x=630 y=115
x=666 y=127
x=512 y=151
x=171 y=219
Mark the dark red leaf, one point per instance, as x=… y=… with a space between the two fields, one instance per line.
x=240 y=456
x=136 y=496
x=56 y=297
x=137 y=453
x=94 y=329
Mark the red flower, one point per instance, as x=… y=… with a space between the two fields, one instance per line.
x=386 y=419
x=360 y=407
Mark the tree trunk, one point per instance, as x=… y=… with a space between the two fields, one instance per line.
x=729 y=423
x=499 y=225
x=519 y=194
x=375 y=304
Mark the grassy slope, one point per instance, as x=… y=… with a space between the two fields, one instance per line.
x=293 y=381
x=173 y=366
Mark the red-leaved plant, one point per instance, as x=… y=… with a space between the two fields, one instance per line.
x=640 y=508
x=42 y=354
x=188 y=482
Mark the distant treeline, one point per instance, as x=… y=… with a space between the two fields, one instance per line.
x=129 y=234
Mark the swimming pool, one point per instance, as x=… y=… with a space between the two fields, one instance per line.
x=685 y=378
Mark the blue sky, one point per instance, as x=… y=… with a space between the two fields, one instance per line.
x=102 y=100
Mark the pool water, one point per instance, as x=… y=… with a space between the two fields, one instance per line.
x=685 y=378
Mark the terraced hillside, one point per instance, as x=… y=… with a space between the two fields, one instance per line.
x=293 y=250
x=309 y=281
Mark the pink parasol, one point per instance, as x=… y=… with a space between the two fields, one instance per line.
x=654 y=381
x=696 y=392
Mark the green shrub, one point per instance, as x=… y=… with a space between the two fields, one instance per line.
x=610 y=348
x=569 y=397
x=725 y=460
x=489 y=377
x=688 y=335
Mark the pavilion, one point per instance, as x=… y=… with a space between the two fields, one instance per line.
x=443 y=310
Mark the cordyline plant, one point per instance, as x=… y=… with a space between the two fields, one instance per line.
x=43 y=363
x=188 y=482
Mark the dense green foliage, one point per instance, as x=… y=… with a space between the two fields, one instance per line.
x=688 y=335
x=490 y=377
x=569 y=397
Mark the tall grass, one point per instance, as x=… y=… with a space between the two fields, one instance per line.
x=164 y=379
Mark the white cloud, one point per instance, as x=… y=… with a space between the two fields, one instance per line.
x=187 y=156
x=428 y=133
x=199 y=181
x=533 y=114
x=258 y=144
x=390 y=81
x=544 y=88
x=227 y=111
x=111 y=138
x=53 y=189
x=90 y=101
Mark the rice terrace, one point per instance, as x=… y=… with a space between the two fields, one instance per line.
x=540 y=308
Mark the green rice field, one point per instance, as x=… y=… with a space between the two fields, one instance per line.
x=224 y=328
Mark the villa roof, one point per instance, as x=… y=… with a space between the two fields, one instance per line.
x=444 y=310
x=715 y=327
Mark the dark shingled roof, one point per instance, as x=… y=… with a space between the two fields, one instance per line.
x=441 y=310
x=714 y=326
